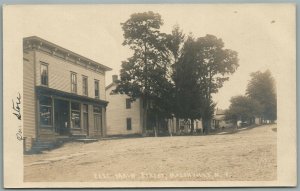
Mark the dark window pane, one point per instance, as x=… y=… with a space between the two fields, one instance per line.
x=45 y=115
x=44 y=100
x=84 y=85
x=75 y=106
x=44 y=74
x=45 y=110
x=128 y=104
x=85 y=108
x=75 y=118
x=128 y=123
x=73 y=82
x=97 y=109
x=96 y=88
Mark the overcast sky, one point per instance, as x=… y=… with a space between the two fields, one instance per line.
x=259 y=33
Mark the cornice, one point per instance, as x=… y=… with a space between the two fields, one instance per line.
x=37 y=43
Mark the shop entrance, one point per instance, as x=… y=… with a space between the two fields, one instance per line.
x=62 y=117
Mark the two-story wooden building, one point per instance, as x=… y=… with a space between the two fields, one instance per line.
x=123 y=116
x=64 y=93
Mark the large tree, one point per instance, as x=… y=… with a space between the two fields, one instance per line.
x=175 y=43
x=242 y=108
x=215 y=64
x=144 y=75
x=185 y=76
x=262 y=88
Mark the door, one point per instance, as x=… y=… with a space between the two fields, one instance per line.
x=98 y=120
x=62 y=117
x=98 y=124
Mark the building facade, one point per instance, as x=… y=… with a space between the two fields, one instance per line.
x=64 y=93
x=124 y=117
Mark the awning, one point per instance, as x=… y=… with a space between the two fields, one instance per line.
x=41 y=90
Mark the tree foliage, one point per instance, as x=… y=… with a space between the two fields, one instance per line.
x=171 y=74
x=215 y=65
x=262 y=88
x=242 y=108
x=185 y=76
x=202 y=68
x=260 y=99
x=144 y=75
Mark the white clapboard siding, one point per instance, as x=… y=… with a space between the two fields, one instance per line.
x=29 y=117
x=116 y=114
x=60 y=75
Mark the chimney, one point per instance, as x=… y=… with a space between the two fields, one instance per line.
x=114 y=78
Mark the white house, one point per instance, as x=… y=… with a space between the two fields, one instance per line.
x=126 y=118
x=123 y=116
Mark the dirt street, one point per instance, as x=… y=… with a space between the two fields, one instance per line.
x=247 y=155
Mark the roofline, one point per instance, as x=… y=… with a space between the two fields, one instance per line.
x=36 y=38
x=110 y=85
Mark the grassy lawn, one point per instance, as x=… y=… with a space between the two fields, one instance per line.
x=243 y=156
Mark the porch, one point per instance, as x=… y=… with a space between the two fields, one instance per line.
x=69 y=116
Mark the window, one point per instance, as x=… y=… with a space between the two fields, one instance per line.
x=45 y=111
x=128 y=103
x=84 y=85
x=75 y=115
x=128 y=123
x=97 y=109
x=44 y=74
x=73 y=82
x=96 y=88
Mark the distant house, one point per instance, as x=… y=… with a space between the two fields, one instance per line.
x=64 y=93
x=124 y=117
x=219 y=120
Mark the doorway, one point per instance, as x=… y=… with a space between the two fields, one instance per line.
x=98 y=120
x=62 y=117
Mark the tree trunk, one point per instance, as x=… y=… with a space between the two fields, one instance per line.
x=170 y=126
x=156 y=125
x=177 y=125
x=145 y=117
x=203 y=127
x=192 y=126
x=206 y=125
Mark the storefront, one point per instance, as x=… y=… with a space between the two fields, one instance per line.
x=67 y=114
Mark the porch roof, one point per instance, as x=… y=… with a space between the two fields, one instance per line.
x=54 y=92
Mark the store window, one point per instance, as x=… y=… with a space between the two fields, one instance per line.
x=45 y=111
x=75 y=115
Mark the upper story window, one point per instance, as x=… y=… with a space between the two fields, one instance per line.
x=44 y=74
x=73 y=82
x=128 y=103
x=96 y=88
x=85 y=85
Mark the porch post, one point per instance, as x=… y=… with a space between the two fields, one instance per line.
x=70 y=116
x=103 y=121
x=53 y=120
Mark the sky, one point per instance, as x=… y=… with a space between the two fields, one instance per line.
x=259 y=33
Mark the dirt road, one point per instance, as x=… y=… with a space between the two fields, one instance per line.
x=247 y=155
